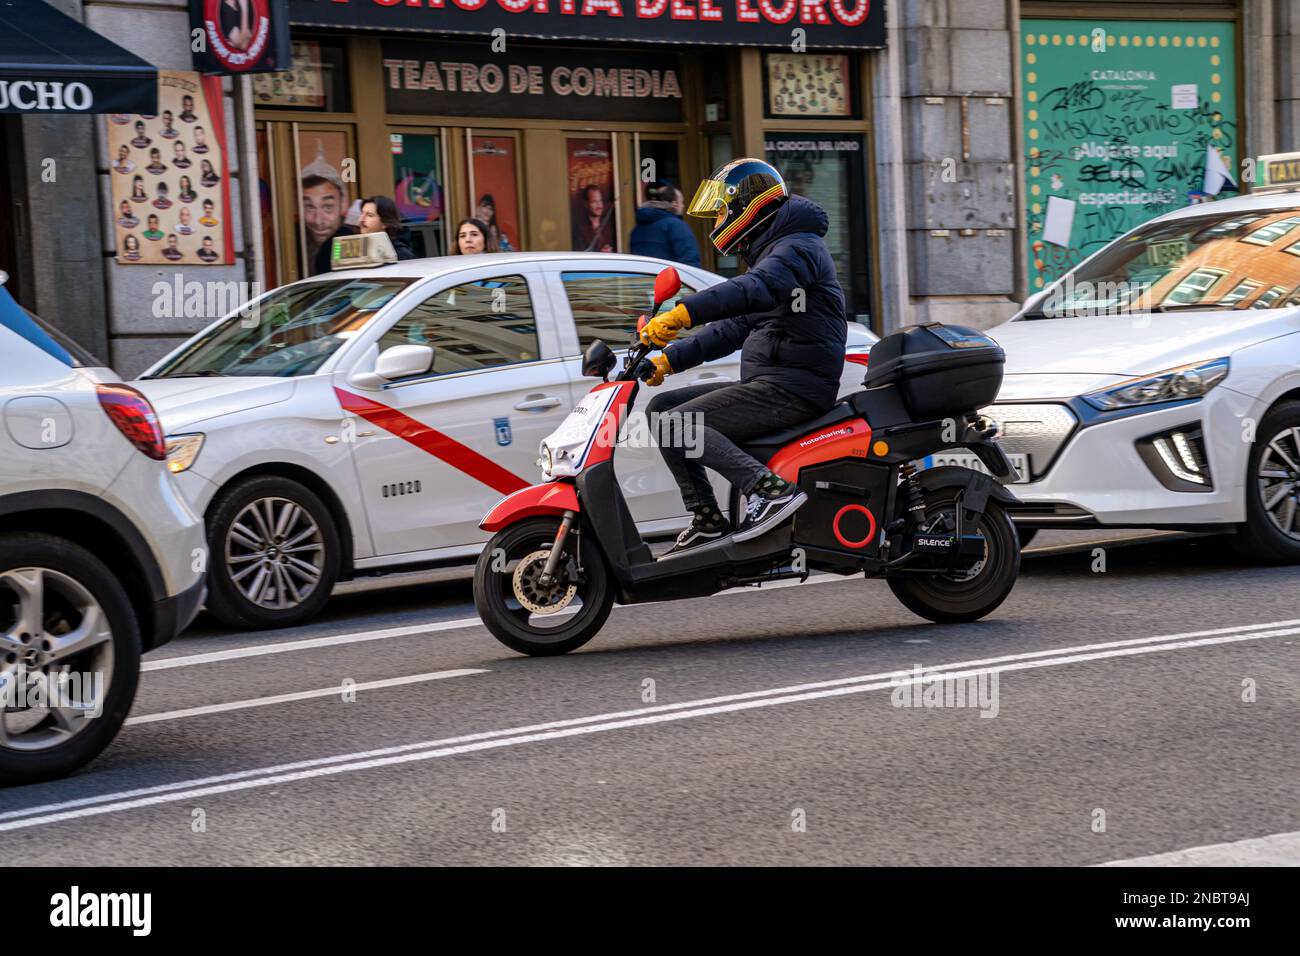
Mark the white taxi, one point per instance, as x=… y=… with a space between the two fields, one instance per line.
x=363 y=421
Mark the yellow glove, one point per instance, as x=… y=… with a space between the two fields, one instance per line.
x=662 y=329
x=662 y=368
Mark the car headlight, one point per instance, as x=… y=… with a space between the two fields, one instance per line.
x=182 y=450
x=1186 y=381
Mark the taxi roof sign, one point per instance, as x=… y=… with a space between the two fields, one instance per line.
x=1278 y=172
x=361 y=251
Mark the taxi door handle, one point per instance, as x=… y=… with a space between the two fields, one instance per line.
x=537 y=403
x=712 y=376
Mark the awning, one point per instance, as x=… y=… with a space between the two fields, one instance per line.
x=50 y=63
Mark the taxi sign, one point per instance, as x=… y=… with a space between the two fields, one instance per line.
x=362 y=251
x=1278 y=172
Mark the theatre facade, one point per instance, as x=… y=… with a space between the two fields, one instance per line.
x=968 y=152
x=550 y=117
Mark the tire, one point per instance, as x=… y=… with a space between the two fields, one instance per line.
x=254 y=589
x=1025 y=535
x=497 y=598
x=946 y=600
x=1260 y=538
x=74 y=584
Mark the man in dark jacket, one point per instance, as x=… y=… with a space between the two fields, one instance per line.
x=659 y=230
x=786 y=314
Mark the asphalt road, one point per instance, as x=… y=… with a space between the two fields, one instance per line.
x=753 y=727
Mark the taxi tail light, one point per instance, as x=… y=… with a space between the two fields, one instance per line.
x=134 y=417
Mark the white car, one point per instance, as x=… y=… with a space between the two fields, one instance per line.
x=319 y=444
x=1157 y=385
x=101 y=557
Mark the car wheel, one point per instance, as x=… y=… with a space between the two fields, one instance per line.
x=69 y=657
x=1271 y=533
x=274 y=554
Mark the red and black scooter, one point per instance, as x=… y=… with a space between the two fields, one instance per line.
x=564 y=551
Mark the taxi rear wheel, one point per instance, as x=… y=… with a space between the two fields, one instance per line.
x=274 y=554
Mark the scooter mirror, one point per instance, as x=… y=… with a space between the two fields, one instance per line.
x=667 y=284
x=598 y=360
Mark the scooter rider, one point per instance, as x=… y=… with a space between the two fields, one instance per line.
x=787 y=311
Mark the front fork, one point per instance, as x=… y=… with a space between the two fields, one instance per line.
x=547 y=577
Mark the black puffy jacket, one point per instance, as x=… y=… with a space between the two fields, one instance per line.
x=801 y=350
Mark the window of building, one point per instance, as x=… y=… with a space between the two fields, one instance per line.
x=606 y=305
x=1193 y=288
x=482 y=324
x=317 y=81
x=1267 y=235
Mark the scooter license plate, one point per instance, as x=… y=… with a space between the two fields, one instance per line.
x=965 y=459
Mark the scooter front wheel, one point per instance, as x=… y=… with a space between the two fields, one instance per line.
x=531 y=618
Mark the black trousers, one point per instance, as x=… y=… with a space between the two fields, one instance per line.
x=721 y=414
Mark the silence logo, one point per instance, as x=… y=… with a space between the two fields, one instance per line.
x=76 y=909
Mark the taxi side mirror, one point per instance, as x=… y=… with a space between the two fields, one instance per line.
x=395 y=363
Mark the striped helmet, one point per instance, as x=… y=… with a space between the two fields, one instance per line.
x=740 y=197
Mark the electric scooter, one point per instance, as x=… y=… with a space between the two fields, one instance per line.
x=564 y=551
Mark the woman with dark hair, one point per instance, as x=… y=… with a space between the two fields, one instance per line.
x=472 y=237
x=379 y=214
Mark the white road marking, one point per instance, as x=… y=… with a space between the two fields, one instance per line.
x=1280 y=849
x=335 y=691
x=409 y=630
x=602 y=723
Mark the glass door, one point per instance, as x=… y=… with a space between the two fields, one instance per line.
x=495 y=197
x=420 y=188
x=309 y=193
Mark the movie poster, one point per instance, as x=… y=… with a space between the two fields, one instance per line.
x=326 y=182
x=496 y=193
x=591 y=195
x=808 y=84
x=301 y=85
x=170 y=181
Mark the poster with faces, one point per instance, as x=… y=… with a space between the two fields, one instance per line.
x=169 y=177
x=303 y=85
x=808 y=84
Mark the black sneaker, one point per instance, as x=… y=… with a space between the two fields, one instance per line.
x=700 y=531
x=762 y=513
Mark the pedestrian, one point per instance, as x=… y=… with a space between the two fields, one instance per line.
x=660 y=231
x=473 y=237
x=379 y=214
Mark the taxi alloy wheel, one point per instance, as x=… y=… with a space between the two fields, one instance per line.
x=275 y=553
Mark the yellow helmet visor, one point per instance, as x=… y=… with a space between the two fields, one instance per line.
x=709 y=198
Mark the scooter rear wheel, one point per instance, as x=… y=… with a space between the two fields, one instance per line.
x=948 y=599
x=535 y=620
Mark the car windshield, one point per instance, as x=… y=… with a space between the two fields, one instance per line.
x=1238 y=260
x=290 y=332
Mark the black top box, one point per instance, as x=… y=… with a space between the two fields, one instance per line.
x=940 y=370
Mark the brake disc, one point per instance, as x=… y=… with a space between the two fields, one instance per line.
x=534 y=597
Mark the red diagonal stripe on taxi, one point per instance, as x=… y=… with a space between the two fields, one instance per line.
x=460 y=457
